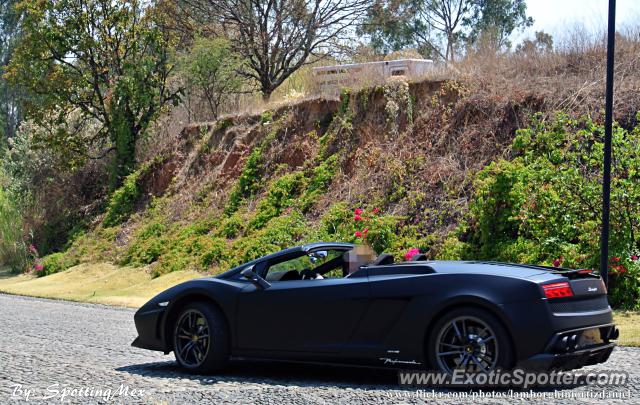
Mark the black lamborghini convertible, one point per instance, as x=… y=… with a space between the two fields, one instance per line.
x=308 y=304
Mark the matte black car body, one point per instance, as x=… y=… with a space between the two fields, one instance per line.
x=382 y=314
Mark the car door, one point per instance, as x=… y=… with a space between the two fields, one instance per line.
x=304 y=316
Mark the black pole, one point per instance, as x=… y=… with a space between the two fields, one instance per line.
x=608 y=119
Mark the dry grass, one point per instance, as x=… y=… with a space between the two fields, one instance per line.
x=571 y=78
x=100 y=283
x=629 y=324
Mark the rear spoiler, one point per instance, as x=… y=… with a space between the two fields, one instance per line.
x=562 y=271
x=577 y=273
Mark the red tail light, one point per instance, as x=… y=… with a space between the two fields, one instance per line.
x=557 y=290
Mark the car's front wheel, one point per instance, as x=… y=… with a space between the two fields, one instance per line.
x=470 y=339
x=201 y=338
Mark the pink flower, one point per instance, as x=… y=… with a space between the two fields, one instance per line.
x=615 y=259
x=634 y=257
x=357 y=217
x=358 y=211
x=376 y=210
x=358 y=234
x=410 y=253
x=39 y=267
x=33 y=249
x=557 y=262
x=618 y=269
x=365 y=230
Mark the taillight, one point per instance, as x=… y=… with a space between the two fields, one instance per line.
x=557 y=290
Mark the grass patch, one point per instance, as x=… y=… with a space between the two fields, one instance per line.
x=100 y=283
x=629 y=324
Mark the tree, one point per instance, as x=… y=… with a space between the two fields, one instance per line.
x=211 y=69
x=542 y=43
x=499 y=18
x=10 y=111
x=277 y=37
x=393 y=25
x=439 y=27
x=107 y=59
x=13 y=250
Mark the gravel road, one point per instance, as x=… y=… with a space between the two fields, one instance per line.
x=53 y=351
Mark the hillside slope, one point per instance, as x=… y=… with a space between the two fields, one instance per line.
x=232 y=190
x=458 y=172
x=407 y=154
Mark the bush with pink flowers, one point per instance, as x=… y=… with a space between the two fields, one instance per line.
x=358 y=225
x=544 y=204
x=624 y=281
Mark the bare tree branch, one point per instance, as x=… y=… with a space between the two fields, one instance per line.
x=276 y=37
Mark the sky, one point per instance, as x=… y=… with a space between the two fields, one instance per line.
x=559 y=16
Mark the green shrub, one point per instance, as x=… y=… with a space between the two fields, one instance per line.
x=123 y=201
x=281 y=193
x=143 y=252
x=248 y=181
x=279 y=233
x=233 y=225
x=453 y=249
x=624 y=282
x=544 y=205
x=152 y=230
x=378 y=230
x=56 y=262
x=345 y=96
x=320 y=179
x=196 y=228
x=266 y=117
x=336 y=223
x=214 y=253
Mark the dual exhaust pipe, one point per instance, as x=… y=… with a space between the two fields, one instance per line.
x=569 y=342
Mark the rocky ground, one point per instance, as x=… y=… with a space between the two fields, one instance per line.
x=53 y=351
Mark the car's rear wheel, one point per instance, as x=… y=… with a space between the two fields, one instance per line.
x=201 y=338
x=469 y=339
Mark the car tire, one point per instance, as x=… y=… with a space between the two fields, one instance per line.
x=201 y=338
x=469 y=338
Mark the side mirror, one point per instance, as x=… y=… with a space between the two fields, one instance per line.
x=259 y=282
x=318 y=255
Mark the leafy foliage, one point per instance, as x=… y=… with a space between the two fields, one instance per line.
x=543 y=205
x=280 y=195
x=107 y=60
x=249 y=181
x=10 y=96
x=13 y=249
x=46 y=189
x=211 y=69
x=438 y=28
x=56 y=262
x=123 y=200
x=542 y=43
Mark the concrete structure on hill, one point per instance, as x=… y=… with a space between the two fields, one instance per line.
x=330 y=79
